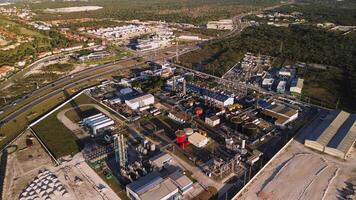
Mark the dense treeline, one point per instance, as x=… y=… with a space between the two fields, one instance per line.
x=41 y=41
x=338 y=12
x=193 y=11
x=299 y=43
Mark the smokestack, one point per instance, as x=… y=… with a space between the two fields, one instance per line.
x=174 y=84
x=184 y=87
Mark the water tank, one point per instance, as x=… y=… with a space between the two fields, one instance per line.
x=238 y=122
x=153 y=147
x=250 y=129
x=145 y=143
x=188 y=131
x=198 y=111
x=181 y=136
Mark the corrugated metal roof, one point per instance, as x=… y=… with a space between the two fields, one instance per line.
x=145 y=183
x=331 y=130
x=345 y=136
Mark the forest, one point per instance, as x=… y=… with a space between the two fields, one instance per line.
x=187 y=11
x=320 y=11
x=296 y=43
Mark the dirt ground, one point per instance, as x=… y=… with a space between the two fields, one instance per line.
x=300 y=173
x=23 y=165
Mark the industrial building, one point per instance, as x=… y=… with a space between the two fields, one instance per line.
x=296 y=86
x=268 y=83
x=132 y=98
x=98 y=122
x=158 y=40
x=282 y=114
x=334 y=134
x=140 y=101
x=160 y=160
x=212 y=121
x=114 y=33
x=182 y=181
x=218 y=99
x=281 y=87
x=224 y=24
x=94 y=56
x=153 y=186
x=198 y=140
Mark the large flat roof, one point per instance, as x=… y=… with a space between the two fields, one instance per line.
x=345 y=137
x=333 y=127
x=145 y=183
x=337 y=130
x=159 y=159
x=164 y=189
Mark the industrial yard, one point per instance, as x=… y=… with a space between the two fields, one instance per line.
x=160 y=132
x=308 y=171
x=73 y=180
x=171 y=100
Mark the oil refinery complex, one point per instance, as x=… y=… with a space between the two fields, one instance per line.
x=162 y=131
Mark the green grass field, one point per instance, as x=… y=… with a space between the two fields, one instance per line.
x=58 y=138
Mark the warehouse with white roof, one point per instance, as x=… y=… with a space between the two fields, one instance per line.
x=98 y=122
x=335 y=134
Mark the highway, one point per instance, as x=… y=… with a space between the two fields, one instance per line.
x=36 y=63
x=58 y=86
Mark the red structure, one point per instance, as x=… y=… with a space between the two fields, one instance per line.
x=198 y=111
x=181 y=136
x=182 y=139
x=184 y=144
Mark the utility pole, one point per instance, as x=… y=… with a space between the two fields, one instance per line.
x=4 y=100
x=281 y=47
x=337 y=103
x=177 y=52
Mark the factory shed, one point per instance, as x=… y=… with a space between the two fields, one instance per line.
x=152 y=186
x=198 y=140
x=182 y=181
x=281 y=113
x=335 y=135
x=140 y=101
x=160 y=160
x=213 y=120
x=296 y=86
x=97 y=122
x=344 y=139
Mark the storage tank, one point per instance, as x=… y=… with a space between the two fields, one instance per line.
x=250 y=129
x=181 y=136
x=198 y=111
x=188 y=131
x=153 y=147
x=238 y=122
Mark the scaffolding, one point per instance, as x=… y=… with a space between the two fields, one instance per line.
x=120 y=150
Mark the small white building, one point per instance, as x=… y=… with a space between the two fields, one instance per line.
x=98 y=122
x=198 y=140
x=267 y=83
x=160 y=160
x=212 y=121
x=281 y=87
x=140 y=101
x=297 y=86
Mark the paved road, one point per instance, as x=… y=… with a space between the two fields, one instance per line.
x=20 y=74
